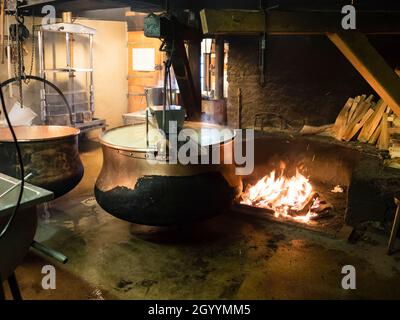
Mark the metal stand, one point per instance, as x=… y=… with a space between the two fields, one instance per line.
x=14 y=288
x=2 y=295
x=84 y=116
x=395 y=228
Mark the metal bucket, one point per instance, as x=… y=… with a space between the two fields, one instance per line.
x=155 y=97
x=50 y=153
x=133 y=189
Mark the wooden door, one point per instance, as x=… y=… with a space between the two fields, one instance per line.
x=138 y=79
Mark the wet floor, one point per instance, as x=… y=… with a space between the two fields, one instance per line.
x=232 y=256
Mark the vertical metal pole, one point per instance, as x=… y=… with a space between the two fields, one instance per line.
x=9 y=68
x=2 y=294
x=67 y=43
x=395 y=228
x=147 y=116
x=91 y=88
x=42 y=73
x=14 y=287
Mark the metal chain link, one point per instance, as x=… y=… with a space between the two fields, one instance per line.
x=18 y=55
x=20 y=64
x=33 y=48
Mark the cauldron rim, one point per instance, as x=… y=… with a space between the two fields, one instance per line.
x=38 y=133
x=145 y=150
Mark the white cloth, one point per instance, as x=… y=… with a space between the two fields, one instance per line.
x=21 y=116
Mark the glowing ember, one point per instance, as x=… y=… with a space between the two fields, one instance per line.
x=287 y=197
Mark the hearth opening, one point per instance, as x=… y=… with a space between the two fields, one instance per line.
x=288 y=196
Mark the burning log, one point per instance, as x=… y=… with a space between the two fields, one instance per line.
x=305 y=207
x=287 y=197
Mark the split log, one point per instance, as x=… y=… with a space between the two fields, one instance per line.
x=375 y=135
x=394 y=152
x=371 y=126
x=341 y=120
x=392 y=163
x=359 y=115
x=357 y=101
x=394 y=131
x=305 y=207
x=324 y=214
x=322 y=130
x=383 y=142
x=359 y=125
x=322 y=207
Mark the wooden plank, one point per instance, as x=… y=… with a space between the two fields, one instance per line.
x=357 y=117
x=361 y=108
x=394 y=152
x=394 y=131
x=322 y=130
x=383 y=142
x=374 y=122
x=375 y=136
x=359 y=125
x=341 y=120
x=353 y=108
x=370 y=64
x=253 y=22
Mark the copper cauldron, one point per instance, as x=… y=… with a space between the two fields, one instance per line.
x=50 y=153
x=133 y=189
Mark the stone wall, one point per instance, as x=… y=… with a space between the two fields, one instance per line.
x=308 y=79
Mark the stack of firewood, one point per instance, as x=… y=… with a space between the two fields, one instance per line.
x=366 y=121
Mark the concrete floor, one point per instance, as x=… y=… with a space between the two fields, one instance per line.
x=232 y=256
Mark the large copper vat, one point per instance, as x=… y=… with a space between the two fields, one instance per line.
x=132 y=189
x=50 y=153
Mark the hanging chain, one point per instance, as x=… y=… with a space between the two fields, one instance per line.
x=33 y=48
x=18 y=59
x=18 y=54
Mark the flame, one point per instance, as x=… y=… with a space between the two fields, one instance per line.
x=282 y=195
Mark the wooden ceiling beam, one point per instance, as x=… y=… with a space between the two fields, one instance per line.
x=245 y=22
x=371 y=65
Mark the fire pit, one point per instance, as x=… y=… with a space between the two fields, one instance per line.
x=318 y=182
x=288 y=197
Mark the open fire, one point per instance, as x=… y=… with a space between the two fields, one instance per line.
x=288 y=197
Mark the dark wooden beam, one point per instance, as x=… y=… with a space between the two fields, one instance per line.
x=194 y=50
x=219 y=68
x=371 y=65
x=242 y=22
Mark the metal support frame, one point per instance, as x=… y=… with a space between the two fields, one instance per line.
x=14 y=288
x=69 y=30
x=174 y=34
x=395 y=228
x=2 y=294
